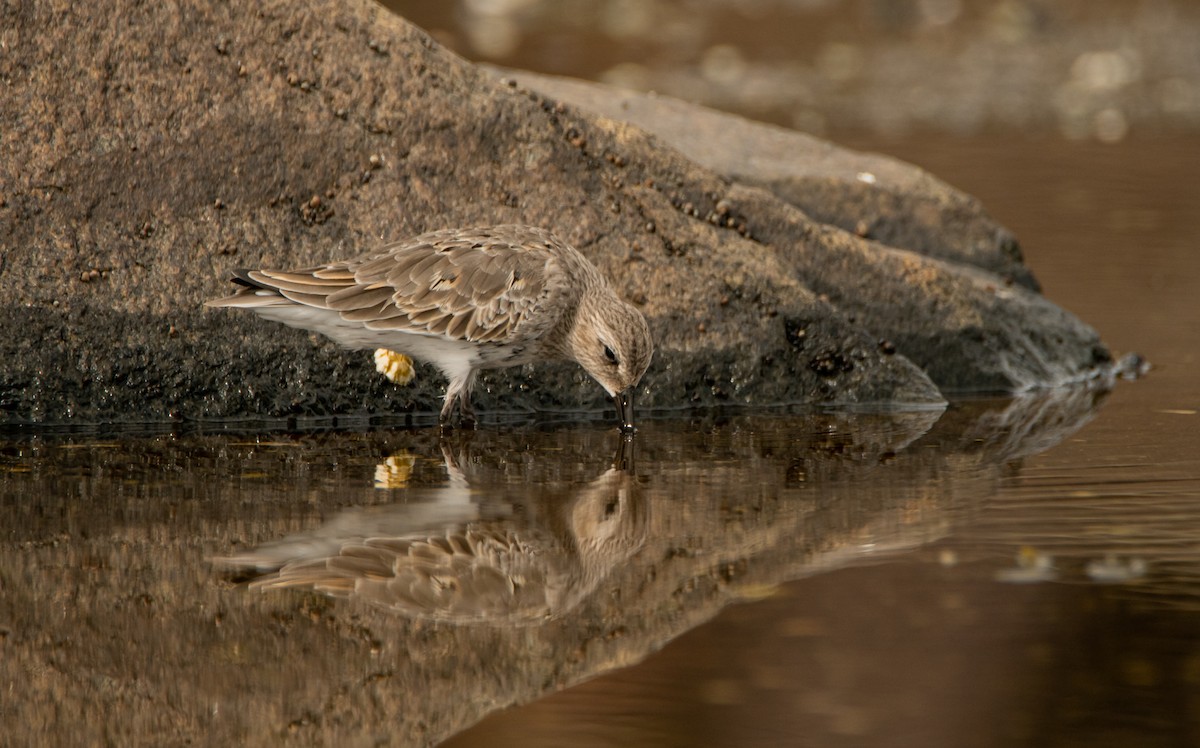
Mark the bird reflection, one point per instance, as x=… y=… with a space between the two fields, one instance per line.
x=467 y=567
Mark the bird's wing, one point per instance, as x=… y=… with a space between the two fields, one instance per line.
x=477 y=285
x=477 y=574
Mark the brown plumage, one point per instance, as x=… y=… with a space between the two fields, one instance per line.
x=466 y=571
x=465 y=300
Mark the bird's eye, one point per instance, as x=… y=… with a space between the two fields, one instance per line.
x=608 y=354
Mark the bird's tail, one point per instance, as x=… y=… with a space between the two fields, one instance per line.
x=250 y=294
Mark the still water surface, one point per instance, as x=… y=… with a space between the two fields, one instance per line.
x=1004 y=573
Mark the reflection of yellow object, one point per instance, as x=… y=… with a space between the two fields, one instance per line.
x=395 y=366
x=395 y=471
x=1032 y=566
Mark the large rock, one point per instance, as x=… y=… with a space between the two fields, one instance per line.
x=869 y=194
x=150 y=149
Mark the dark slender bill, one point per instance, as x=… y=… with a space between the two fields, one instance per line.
x=623 y=460
x=624 y=403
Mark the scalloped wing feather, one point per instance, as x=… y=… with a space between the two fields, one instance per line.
x=475 y=574
x=477 y=285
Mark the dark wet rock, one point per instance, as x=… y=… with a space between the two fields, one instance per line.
x=969 y=331
x=149 y=157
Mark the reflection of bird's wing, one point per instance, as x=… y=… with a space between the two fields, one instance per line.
x=477 y=285
x=478 y=574
x=328 y=539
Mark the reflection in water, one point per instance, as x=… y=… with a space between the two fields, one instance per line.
x=469 y=575
x=442 y=561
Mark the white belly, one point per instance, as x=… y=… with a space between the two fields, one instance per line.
x=454 y=357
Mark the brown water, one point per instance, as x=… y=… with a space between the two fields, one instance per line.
x=1005 y=573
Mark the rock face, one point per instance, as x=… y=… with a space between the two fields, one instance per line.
x=874 y=196
x=147 y=151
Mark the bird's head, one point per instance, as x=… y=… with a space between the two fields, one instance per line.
x=612 y=342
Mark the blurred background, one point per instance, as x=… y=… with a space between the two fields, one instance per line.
x=1078 y=69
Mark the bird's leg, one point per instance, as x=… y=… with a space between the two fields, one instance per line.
x=448 y=408
x=466 y=412
x=458 y=395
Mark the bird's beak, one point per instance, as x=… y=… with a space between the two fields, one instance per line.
x=624 y=403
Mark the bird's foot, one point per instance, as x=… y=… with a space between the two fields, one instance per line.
x=458 y=401
x=462 y=423
x=466 y=413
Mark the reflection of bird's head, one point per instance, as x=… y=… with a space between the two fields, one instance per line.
x=608 y=519
x=468 y=569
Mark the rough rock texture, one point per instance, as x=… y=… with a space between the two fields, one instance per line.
x=145 y=150
x=872 y=195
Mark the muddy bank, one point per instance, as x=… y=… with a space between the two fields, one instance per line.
x=151 y=155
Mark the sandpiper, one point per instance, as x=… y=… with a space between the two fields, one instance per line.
x=465 y=300
x=461 y=561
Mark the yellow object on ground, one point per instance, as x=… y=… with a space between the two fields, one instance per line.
x=395 y=366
